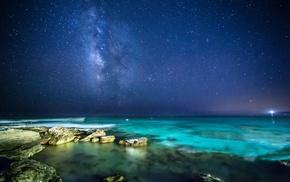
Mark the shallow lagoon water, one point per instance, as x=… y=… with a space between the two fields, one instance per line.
x=231 y=148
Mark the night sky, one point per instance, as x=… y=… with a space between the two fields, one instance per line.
x=144 y=57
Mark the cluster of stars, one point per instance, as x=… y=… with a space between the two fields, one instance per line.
x=156 y=57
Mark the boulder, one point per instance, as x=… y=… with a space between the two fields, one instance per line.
x=134 y=142
x=117 y=178
x=60 y=135
x=107 y=139
x=19 y=144
x=94 y=136
x=31 y=170
x=205 y=178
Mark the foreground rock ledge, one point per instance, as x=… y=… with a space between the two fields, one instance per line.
x=136 y=142
x=30 y=170
x=19 y=144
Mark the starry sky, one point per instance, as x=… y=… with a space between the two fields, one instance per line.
x=144 y=57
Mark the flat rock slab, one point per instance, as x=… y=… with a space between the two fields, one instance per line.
x=19 y=144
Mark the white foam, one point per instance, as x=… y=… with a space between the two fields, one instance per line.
x=73 y=125
x=80 y=120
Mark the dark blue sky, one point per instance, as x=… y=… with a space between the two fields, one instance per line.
x=144 y=57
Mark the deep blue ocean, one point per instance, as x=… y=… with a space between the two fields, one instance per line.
x=231 y=148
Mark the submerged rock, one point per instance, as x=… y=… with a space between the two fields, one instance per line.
x=138 y=142
x=205 y=178
x=107 y=139
x=117 y=178
x=285 y=163
x=19 y=144
x=31 y=170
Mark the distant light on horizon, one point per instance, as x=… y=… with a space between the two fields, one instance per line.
x=271 y=112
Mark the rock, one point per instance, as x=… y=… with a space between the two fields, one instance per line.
x=76 y=139
x=117 y=178
x=37 y=129
x=99 y=132
x=19 y=144
x=205 y=178
x=60 y=135
x=95 y=140
x=107 y=139
x=45 y=137
x=94 y=136
x=285 y=163
x=134 y=142
x=80 y=132
x=31 y=170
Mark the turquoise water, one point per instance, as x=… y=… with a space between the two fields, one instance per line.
x=227 y=147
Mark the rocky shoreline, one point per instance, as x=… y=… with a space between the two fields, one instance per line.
x=22 y=143
x=19 y=145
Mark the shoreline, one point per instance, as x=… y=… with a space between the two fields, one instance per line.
x=163 y=156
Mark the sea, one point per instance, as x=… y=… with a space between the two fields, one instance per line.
x=230 y=148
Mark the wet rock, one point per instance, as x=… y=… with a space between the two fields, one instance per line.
x=19 y=144
x=31 y=170
x=94 y=136
x=76 y=139
x=205 y=178
x=117 y=178
x=94 y=140
x=45 y=137
x=285 y=163
x=134 y=142
x=60 y=135
x=80 y=132
x=37 y=129
x=107 y=139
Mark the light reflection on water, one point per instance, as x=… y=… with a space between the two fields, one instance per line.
x=93 y=161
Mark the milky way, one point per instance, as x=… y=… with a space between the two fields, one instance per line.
x=144 y=57
x=109 y=49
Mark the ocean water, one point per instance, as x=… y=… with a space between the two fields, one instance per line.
x=231 y=148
